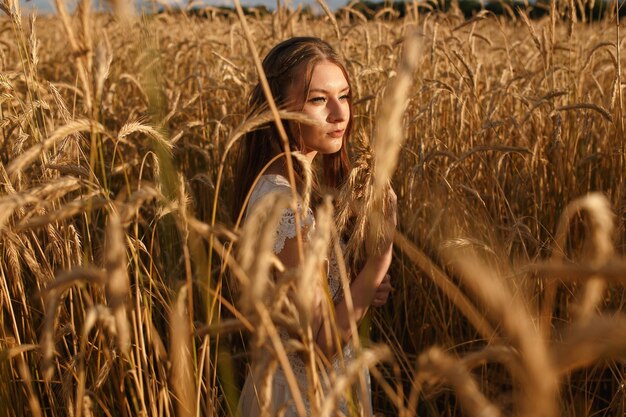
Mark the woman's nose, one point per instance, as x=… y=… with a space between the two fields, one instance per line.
x=338 y=112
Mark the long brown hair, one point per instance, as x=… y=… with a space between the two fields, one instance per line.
x=289 y=63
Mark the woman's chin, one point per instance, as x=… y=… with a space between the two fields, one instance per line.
x=334 y=147
x=330 y=146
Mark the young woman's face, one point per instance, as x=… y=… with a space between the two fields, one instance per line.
x=327 y=103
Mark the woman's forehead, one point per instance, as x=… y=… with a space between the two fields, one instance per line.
x=316 y=75
x=328 y=77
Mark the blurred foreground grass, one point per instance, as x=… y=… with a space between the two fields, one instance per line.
x=113 y=133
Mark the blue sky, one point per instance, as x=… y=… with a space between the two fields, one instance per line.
x=46 y=6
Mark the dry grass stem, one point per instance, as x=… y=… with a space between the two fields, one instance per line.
x=598 y=338
x=367 y=359
x=181 y=357
x=71 y=209
x=116 y=178
x=316 y=250
x=389 y=136
x=255 y=250
x=28 y=156
x=426 y=265
x=117 y=285
x=598 y=250
x=435 y=365
x=538 y=380
x=53 y=293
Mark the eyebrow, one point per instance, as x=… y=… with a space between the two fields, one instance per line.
x=321 y=90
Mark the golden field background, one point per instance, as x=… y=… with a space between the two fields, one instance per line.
x=115 y=179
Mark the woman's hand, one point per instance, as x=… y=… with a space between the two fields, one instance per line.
x=382 y=292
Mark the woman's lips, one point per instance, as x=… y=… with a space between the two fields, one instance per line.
x=336 y=133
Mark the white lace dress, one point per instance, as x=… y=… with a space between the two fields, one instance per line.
x=281 y=397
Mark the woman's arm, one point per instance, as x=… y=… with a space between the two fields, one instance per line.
x=362 y=290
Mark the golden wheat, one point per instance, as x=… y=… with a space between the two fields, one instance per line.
x=119 y=293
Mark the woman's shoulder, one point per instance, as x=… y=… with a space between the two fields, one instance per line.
x=276 y=183
x=275 y=180
x=267 y=184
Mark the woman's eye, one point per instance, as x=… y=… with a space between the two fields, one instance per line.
x=345 y=97
x=318 y=100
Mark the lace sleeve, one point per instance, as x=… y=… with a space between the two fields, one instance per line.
x=287 y=227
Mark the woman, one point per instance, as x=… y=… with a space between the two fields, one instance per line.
x=305 y=74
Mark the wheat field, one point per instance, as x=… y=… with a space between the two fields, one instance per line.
x=127 y=290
